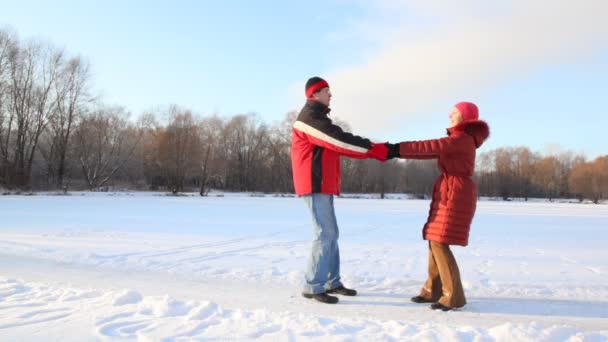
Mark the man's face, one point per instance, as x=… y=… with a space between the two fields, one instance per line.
x=323 y=96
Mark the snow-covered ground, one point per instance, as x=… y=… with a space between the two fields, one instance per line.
x=151 y=267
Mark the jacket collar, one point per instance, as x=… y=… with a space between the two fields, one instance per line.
x=478 y=129
x=317 y=106
x=457 y=129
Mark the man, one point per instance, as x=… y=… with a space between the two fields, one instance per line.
x=316 y=147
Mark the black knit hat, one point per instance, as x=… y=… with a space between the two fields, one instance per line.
x=314 y=84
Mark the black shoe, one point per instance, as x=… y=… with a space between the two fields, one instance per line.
x=341 y=290
x=321 y=297
x=439 y=306
x=420 y=299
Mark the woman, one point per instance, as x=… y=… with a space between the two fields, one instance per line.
x=453 y=202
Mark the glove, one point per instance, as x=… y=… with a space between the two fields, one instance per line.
x=393 y=151
x=378 y=151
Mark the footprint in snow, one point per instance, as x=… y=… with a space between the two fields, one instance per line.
x=125 y=329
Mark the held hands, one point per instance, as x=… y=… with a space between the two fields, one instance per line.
x=379 y=151
x=384 y=151
x=393 y=151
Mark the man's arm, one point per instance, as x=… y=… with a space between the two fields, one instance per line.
x=322 y=132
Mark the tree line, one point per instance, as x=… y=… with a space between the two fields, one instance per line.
x=55 y=133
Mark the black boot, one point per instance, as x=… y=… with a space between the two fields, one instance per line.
x=321 y=297
x=341 y=290
x=439 y=306
x=420 y=299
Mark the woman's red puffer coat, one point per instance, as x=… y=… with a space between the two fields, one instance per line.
x=454 y=193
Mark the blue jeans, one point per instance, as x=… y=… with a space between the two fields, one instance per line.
x=323 y=270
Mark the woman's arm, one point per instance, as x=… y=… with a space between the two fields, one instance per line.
x=425 y=149
x=418 y=156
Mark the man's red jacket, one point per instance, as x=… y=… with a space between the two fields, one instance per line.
x=316 y=147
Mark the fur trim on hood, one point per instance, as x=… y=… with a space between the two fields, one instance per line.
x=478 y=129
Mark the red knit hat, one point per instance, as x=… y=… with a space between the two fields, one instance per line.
x=468 y=110
x=315 y=84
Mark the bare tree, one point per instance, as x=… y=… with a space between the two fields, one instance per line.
x=524 y=161
x=567 y=161
x=73 y=98
x=581 y=182
x=485 y=174
x=245 y=140
x=210 y=130
x=505 y=171
x=104 y=142
x=34 y=71
x=547 y=176
x=279 y=155
x=600 y=166
x=151 y=132
x=420 y=175
x=590 y=180
x=179 y=148
x=8 y=46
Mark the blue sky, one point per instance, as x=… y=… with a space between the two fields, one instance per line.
x=538 y=72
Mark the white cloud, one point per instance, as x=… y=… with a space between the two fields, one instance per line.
x=458 y=51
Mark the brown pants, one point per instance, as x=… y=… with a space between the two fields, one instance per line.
x=443 y=284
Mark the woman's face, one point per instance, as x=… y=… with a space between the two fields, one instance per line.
x=455 y=117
